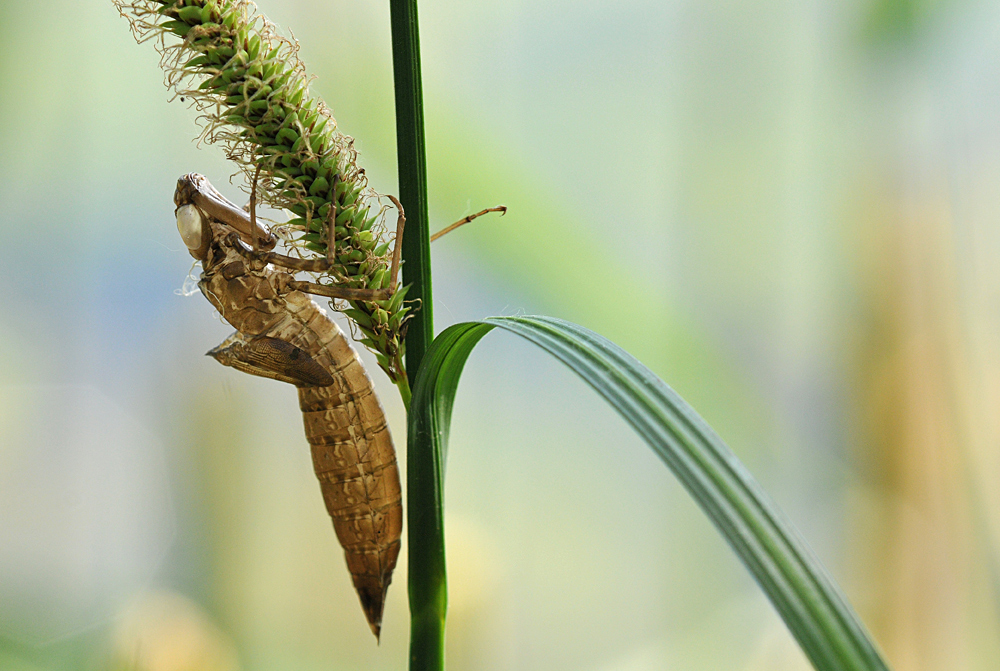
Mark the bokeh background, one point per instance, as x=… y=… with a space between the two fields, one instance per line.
x=790 y=210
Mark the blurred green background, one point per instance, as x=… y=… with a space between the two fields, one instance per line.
x=789 y=210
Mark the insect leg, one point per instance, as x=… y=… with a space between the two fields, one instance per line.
x=330 y=243
x=253 y=209
x=347 y=293
x=324 y=265
x=327 y=264
x=310 y=266
x=502 y=209
x=397 y=246
x=291 y=262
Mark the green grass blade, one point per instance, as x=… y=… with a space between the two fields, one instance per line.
x=808 y=600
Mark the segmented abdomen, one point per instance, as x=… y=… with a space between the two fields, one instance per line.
x=354 y=460
x=345 y=425
x=356 y=466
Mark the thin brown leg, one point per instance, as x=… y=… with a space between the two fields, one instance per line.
x=397 y=246
x=327 y=264
x=330 y=241
x=347 y=293
x=310 y=266
x=502 y=209
x=253 y=209
x=290 y=262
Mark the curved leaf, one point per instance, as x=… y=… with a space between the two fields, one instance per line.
x=428 y=420
x=805 y=596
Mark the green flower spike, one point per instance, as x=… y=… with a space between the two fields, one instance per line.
x=252 y=93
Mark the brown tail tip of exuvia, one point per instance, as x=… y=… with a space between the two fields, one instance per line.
x=373 y=602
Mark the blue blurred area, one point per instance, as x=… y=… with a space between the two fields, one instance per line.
x=788 y=210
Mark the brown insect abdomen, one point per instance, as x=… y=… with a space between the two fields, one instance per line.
x=356 y=465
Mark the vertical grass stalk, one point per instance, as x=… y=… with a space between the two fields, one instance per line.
x=427 y=580
x=412 y=162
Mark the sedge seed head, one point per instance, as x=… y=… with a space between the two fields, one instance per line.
x=251 y=91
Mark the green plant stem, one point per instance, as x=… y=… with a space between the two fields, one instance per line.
x=412 y=165
x=403 y=384
x=425 y=519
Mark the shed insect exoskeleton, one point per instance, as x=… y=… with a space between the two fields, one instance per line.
x=282 y=334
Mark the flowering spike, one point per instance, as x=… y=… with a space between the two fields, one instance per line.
x=252 y=94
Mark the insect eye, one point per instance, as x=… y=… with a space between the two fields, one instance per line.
x=189 y=224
